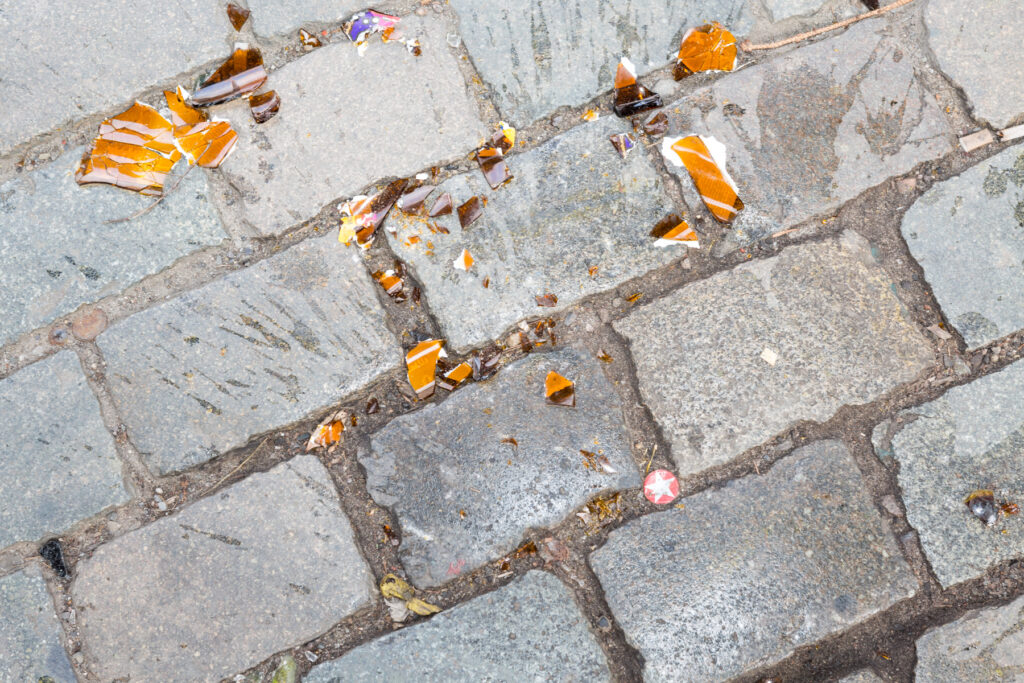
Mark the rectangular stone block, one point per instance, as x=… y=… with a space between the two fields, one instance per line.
x=538 y=55
x=983 y=645
x=970 y=438
x=748 y=573
x=276 y=17
x=347 y=121
x=463 y=497
x=573 y=203
x=259 y=348
x=826 y=309
x=55 y=231
x=815 y=127
x=214 y=589
x=31 y=640
x=530 y=628
x=65 y=62
x=968 y=235
x=57 y=460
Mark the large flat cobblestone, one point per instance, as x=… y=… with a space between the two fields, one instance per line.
x=347 y=121
x=983 y=645
x=530 y=628
x=55 y=231
x=30 y=637
x=827 y=310
x=970 y=438
x=275 y=17
x=260 y=567
x=745 y=574
x=57 y=460
x=815 y=127
x=463 y=497
x=574 y=203
x=968 y=235
x=259 y=348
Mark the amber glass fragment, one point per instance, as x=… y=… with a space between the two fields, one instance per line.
x=632 y=298
x=1009 y=508
x=547 y=300
x=504 y=138
x=510 y=441
x=372 y=406
x=412 y=201
x=442 y=207
x=204 y=142
x=421 y=362
x=982 y=504
x=464 y=261
x=631 y=97
x=264 y=106
x=525 y=550
x=656 y=125
x=623 y=143
x=470 y=211
x=603 y=356
x=486 y=282
x=674 y=230
x=704 y=159
x=706 y=48
x=459 y=373
x=493 y=166
x=391 y=283
x=237 y=15
x=241 y=74
x=559 y=391
x=308 y=39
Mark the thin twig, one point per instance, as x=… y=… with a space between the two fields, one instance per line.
x=237 y=467
x=144 y=211
x=653 y=451
x=748 y=47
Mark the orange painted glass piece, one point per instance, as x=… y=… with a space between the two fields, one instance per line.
x=716 y=192
x=206 y=143
x=706 y=48
x=459 y=373
x=631 y=97
x=241 y=74
x=391 y=283
x=421 y=362
x=559 y=391
x=264 y=106
x=674 y=229
x=328 y=434
x=237 y=15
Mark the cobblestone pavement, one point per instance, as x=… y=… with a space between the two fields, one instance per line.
x=829 y=378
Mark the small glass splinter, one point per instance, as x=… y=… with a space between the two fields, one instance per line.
x=631 y=97
x=623 y=143
x=264 y=106
x=237 y=15
x=559 y=391
x=241 y=74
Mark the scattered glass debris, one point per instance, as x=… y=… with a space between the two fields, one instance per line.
x=704 y=159
x=485 y=363
x=982 y=504
x=364 y=24
x=486 y=282
x=707 y=48
x=600 y=509
x=527 y=549
x=53 y=553
x=590 y=115
x=421 y=362
x=391 y=282
x=237 y=15
x=596 y=462
x=559 y=391
x=623 y=143
x=459 y=374
x=264 y=106
x=442 y=207
x=391 y=586
x=661 y=487
x=203 y=142
x=1008 y=508
x=361 y=215
x=328 y=432
x=631 y=97
x=464 y=261
x=241 y=74
x=674 y=230
x=372 y=406
x=505 y=137
x=655 y=126
x=546 y=301
x=412 y=201
x=308 y=39
x=470 y=211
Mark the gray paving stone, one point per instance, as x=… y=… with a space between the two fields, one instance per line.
x=970 y=438
x=448 y=457
x=259 y=348
x=815 y=127
x=54 y=230
x=274 y=17
x=529 y=629
x=57 y=460
x=347 y=121
x=260 y=567
x=978 y=46
x=826 y=309
x=573 y=203
x=864 y=676
x=30 y=637
x=118 y=51
x=538 y=55
x=968 y=235
x=745 y=574
x=783 y=9
x=985 y=645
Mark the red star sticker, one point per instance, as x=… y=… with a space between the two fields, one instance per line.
x=661 y=486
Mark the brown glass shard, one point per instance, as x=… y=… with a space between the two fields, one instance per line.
x=1009 y=508
x=470 y=211
x=237 y=15
x=241 y=74
x=704 y=159
x=486 y=282
x=204 y=142
x=412 y=201
x=264 y=106
x=361 y=215
x=603 y=356
x=982 y=504
x=511 y=441
x=372 y=406
x=493 y=166
x=442 y=207
x=657 y=125
x=559 y=391
x=546 y=300
x=706 y=48
x=389 y=281
x=631 y=97
x=308 y=39
x=674 y=230
x=421 y=362
x=623 y=143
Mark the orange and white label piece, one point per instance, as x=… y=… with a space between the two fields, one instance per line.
x=421 y=362
x=704 y=159
x=464 y=260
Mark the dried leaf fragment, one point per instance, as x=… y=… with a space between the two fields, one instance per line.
x=704 y=159
x=264 y=106
x=559 y=391
x=706 y=48
x=674 y=230
x=464 y=261
x=241 y=74
x=421 y=362
x=982 y=504
x=546 y=300
x=623 y=143
x=308 y=39
x=237 y=15
x=631 y=97
x=470 y=211
x=395 y=588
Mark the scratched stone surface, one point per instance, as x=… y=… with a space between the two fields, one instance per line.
x=985 y=645
x=30 y=637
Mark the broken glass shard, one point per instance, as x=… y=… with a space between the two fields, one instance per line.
x=264 y=106
x=504 y=138
x=493 y=166
x=590 y=115
x=656 y=125
x=982 y=504
x=464 y=261
x=237 y=15
x=674 y=230
x=704 y=159
x=547 y=300
x=308 y=39
x=631 y=97
x=420 y=363
x=442 y=207
x=470 y=211
x=559 y=391
x=707 y=48
x=486 y=282
x=372 y=406
x=412 y=201
x=361 y=215
x=241 y=74
x=603 y=356
x=623 y=143
x=459 y=374
x=204 y=142
x=391 y=282
x=328 y=432
x=364 y=24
